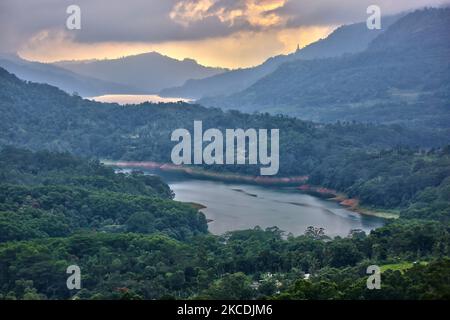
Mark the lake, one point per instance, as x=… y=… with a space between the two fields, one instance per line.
x=135 y=98
x=236 y=206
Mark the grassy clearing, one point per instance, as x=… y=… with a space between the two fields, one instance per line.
x=402 y=266
x=385 y=214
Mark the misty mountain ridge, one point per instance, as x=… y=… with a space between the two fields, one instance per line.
x=403 y=76
x=39 y=116
x=136 y=74
x=346 y=39
x=64 y=79
x=149 y=72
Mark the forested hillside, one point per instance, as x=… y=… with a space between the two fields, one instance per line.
x=53 y=195
x=346 y=39
x=402 y=77
x=95 y=206
x=132 y=242
x=64 y=79
x=333 y=155
x=39 y=116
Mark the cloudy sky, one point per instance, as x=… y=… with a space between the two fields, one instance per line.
x=228 y=33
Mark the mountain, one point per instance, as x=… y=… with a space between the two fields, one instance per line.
x=39 y=116
x=227 y=82
x=149 y=72
x=403 y=76
x=62 y=78
x=346 y=39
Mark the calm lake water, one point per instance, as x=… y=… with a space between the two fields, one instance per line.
x=134 y=98
x=243 y=206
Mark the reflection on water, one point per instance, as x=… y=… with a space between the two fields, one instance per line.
x=135 y=98
x=242 y=206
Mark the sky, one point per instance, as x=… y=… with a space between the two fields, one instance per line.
x=225 y=33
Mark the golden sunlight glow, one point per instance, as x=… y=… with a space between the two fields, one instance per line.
x=258 y=12
x=255 y=12
x=242 y=49
x=187 y=11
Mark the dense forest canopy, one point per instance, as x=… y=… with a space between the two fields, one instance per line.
x=53 y=195
x=132 y=241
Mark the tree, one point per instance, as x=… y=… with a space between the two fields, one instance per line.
x=236 y=286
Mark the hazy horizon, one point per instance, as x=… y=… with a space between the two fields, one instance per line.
x=217 y=33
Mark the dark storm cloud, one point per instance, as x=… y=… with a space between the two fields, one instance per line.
x=106 y=20
x=172 y=20
x=140 y=20
x=336 y=12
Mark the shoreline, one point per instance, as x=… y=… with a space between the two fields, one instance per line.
x=202 y=173
x=350 y=203
x=299 y=182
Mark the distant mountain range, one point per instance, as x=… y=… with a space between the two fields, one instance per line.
x=148 y=72
x=402 y=76
x=64 y=79
x=152 y=72
x=346 y=39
